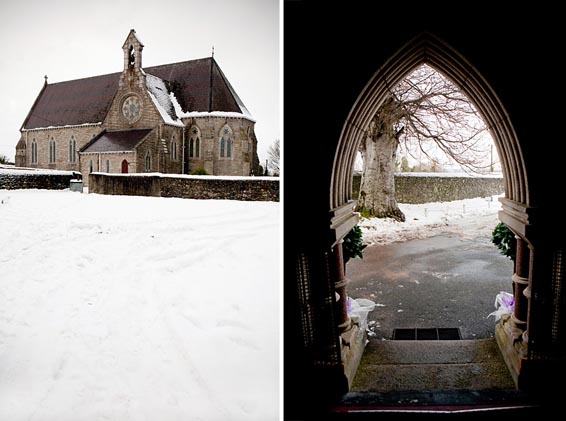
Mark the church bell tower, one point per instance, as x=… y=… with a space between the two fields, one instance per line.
x=132 y=75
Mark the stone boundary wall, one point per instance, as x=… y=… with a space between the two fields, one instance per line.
x=12 y=179
x=416 y=189
x=187 y=186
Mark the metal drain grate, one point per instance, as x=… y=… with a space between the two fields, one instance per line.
x=427 y=334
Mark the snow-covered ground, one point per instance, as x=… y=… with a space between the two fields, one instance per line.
x=137 y=308
x=468 y=218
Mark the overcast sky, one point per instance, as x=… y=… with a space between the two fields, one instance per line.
x=70 y=39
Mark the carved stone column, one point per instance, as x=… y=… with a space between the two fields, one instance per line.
x=340 y=282
x=520 y=284
x=527 y=293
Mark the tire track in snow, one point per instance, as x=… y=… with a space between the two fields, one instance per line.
x=178 y=342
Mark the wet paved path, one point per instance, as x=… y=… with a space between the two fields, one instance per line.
x=442 y=281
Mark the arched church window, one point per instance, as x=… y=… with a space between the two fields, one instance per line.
x=226 y=142
x=174 y=149
x=72 y=149
x=52 y=151
x=90 y=166
x=107 y=165
x=148 y=161
x=34 y=152
x=194 y=142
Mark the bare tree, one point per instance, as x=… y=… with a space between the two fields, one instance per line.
x=4 y=159
x=273 y=154
x=422 y=115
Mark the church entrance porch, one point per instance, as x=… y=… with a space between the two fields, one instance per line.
x=326 y=338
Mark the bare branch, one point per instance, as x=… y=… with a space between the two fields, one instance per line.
x=273 y=153
x=433 y=111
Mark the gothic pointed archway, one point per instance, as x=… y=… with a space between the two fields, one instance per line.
x=428 y=49
x=516 y=339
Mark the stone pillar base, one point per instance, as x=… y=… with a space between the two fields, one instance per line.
x=353 y=342
x=514 y=351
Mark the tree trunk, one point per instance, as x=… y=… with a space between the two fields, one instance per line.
x=377 y=188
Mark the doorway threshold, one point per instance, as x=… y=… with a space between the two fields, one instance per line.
x=472 y=403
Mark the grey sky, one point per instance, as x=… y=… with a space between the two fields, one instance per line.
x=69 y=39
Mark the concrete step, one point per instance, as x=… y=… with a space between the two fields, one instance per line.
x=431 y=365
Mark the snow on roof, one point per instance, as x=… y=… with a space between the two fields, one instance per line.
x=66 y=126
x=176 y=105
x=224 y=114
x=159 y=94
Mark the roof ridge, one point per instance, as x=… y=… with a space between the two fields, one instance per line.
x=84 y=78
x=119 y=73
x=178 y=62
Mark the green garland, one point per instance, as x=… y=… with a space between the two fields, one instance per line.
x=353 y=245
x=505 y=240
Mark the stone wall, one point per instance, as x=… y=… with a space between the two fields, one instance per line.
x=61 y=136
x=129 y=185
x=244 y=145
x=187 y=187
x=26 y=179
x=415 y=188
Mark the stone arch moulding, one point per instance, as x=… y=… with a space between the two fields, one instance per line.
x=427 y=49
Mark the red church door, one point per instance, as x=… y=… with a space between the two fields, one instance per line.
x=124 y=167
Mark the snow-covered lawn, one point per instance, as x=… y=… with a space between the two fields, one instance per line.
x=467 y=218
x=137 y=308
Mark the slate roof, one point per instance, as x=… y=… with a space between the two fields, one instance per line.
x=88 y=100
x=118 y=141
x=73 y=102
x=191 y=84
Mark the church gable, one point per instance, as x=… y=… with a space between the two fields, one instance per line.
x=132 y=109
x=132 y=106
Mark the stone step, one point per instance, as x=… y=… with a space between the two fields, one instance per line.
x=431 y=352
x=431 y=365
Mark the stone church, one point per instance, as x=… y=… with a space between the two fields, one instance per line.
x=173 y=118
